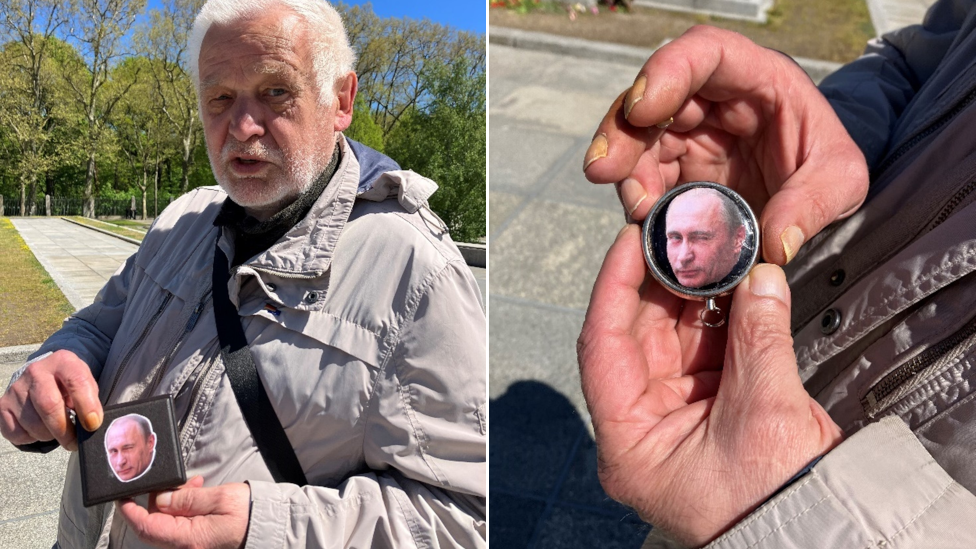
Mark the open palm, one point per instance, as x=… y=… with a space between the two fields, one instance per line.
x=695 y=426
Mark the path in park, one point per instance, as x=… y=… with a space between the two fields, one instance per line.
x=79 y=260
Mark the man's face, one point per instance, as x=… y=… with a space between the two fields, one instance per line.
x=129 y=451
x=701 y=249
x=267 y=134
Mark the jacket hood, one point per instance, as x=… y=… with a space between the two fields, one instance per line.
x=372 y=164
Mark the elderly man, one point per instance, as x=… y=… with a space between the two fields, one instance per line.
x=130 y=446
x=705 y=235
x=363 y=322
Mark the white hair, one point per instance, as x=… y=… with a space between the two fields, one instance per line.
x=332 y=56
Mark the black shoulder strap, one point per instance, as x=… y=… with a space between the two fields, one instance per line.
x=261 y=419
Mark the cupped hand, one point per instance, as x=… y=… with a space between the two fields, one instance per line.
x=35 y=406
x=192 y=516
x=695 y=427
x=714 y=106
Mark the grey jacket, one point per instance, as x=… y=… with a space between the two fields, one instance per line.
x=368 y=332
x=884 y=309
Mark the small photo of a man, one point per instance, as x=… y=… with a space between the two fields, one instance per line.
x=705 y=233
x=130 y=445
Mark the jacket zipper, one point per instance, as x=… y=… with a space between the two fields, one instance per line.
x=142 y=337
x=934 y=127
x=956 y=199
x=890 y=388
x=203 y=379
x=190 y=324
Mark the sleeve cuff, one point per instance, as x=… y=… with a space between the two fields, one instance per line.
x=269 y=516
x=878 y=485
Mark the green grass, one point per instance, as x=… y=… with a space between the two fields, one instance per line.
x=110 y=227
x=31 y=305
x=831 y=30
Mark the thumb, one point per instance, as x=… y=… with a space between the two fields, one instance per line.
x=814 y=197
x=189 y=502
x=760 y=362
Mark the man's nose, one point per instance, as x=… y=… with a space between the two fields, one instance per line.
x=246 y=121
x=686 y=254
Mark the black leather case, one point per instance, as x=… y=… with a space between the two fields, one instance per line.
x=101 y=482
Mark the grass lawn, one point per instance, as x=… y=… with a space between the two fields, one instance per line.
x=831 y=30
x=31 y=305
x=112 y=227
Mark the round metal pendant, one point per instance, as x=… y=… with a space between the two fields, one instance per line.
x=700 y=241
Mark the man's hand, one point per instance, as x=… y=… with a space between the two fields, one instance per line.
x=35 y=407
x=695 y=427
x=743 y=116
x=192 y=516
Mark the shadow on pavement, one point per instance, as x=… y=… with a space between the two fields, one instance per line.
x=544 y=491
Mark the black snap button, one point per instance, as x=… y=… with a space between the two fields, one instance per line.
x=830 y=321
x=312 y=297
x=837 y=277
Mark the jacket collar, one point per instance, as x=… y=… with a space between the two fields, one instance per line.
x=307 y=249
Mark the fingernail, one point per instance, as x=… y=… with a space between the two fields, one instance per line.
x=792 y=239
x=623 y=230
x=92 y=422
x=768 y=280
x=164 y=499
x=664 y=125
x=635 y=95
x=597 y=150
x=632 y=193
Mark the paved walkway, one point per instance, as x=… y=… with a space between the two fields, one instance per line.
x=548 y=232
x=79 y=260
x=888 y=15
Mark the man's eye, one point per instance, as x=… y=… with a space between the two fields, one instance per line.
x=277 y=92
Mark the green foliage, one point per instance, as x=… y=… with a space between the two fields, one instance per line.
x=445 y=140
x=114 y=114
x=363 y=128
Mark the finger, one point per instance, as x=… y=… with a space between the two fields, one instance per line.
x=818 y=194
x=158 y=529
x=194 y=482
x=192 y=501
x=617 y=146
x=45 y=415
x=705 y=61
x=760 y=364
x=81 y=390
x=612 y=361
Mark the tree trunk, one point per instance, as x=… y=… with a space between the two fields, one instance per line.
x=23 y=197
x=156 y=192
x=88 y=209
x=145 y=185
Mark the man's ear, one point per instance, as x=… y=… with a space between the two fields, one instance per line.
x=345 y=97
x=152 y=441
x=740 y=238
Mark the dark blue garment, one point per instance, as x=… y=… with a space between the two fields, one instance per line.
x=372 y=164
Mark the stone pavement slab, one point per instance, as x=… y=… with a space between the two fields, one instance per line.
x=548 y=232
x=78 y=259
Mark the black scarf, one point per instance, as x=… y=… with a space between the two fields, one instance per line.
x=252 y=237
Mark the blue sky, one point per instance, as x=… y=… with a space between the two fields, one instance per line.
x=466 y=15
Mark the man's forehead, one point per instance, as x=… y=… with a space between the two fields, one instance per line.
x=276 y=48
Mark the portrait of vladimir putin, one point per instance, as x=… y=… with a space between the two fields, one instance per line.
x=705 y=233
x=130 y=445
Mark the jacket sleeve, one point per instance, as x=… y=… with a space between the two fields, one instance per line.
x=879 y=488
x=424 y=444
x=870 y=93
x=89 y=332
